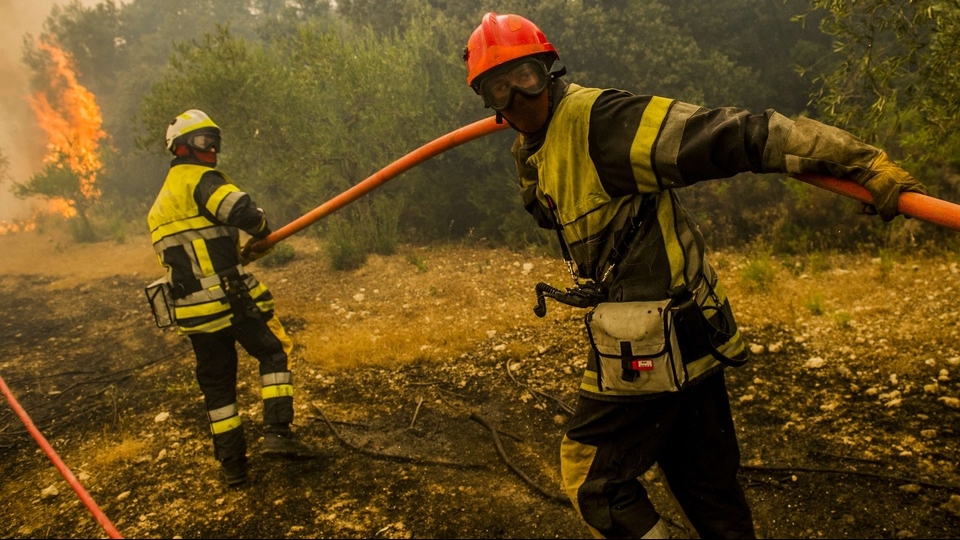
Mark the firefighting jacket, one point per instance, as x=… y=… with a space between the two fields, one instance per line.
x=604 y=169
x=194 y=225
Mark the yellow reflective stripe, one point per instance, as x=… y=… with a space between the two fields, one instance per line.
x=589 y=382
x=642 y=148
x=277 y=390
x=179 y=226
x=576 y=460
x=671 y=242
x=203 y=257
x=201 y=310
x=277 y=329
x=213 y=203
x=225 y=425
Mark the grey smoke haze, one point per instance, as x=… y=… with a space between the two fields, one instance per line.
x=21 y=139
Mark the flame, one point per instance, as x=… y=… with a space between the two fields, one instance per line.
x=72 y=122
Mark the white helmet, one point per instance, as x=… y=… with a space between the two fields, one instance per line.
x=192 y=121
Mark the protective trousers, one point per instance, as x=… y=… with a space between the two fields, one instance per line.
x=263 y=338
x=608 y=445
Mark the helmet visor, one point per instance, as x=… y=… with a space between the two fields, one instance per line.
x=205 y=141
x=529 y=77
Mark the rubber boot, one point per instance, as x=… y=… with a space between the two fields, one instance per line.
x=234 y=470
x=279 y=441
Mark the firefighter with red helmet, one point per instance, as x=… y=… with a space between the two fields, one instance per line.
x=195 y=226
x=601 y=167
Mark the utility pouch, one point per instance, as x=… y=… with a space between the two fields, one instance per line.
x=241 y=303
x=159 y=296
x=636 y=347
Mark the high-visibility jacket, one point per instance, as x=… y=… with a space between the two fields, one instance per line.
x=194 y=225
x=608 y=160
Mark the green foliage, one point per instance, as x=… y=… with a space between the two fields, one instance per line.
x=56 y=181
x=314 y=100
x=885 y=263
x=814 y=304
x=282 y=254
x=843 y=318
x=418 y=262
x=895 y=81
x=759 y=273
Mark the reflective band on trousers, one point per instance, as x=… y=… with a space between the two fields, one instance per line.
x=224 y=419
x=280 y=377
x=279 y=384
x=278 y=390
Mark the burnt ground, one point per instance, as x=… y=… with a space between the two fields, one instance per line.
x=847 y=413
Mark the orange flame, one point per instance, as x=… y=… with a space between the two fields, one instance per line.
x=72 y=124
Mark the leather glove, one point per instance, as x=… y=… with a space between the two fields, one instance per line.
x=248 y=254
x=885 y=181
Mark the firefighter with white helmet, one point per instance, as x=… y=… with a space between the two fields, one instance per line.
x=601 y=167
x=195 y=226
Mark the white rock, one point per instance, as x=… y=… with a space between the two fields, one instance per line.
x=161 y=417
x=359 y=297
x=931 y=388
x=491 y=333
x=930 y=362
x=893 y=403
x=756 y=348
x=746 y=399
x=527 y=267
x=500 y=347
x=953 y=505
x=893 y=379
x=815 y=363
x=954 y=360
x=928 y=433
x=951 y=402
x=775 y=347
x=944 y=375
x=123 y=495
x=909 y=488
x=49 y=492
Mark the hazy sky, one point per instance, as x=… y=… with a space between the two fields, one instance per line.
x=21 y=139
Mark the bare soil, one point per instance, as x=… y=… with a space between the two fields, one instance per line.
x=847 y=413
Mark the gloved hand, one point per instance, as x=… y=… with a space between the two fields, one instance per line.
x=885 y=181
x=248 y=254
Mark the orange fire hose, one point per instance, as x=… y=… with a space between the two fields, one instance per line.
x=437 y=146
x=88 y=501
x=915 y=205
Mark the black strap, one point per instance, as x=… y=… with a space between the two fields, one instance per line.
x=692 y=317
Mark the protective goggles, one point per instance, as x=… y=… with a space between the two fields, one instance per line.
x=205 y=140
x=529 y=78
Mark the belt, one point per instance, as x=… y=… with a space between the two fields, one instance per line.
x=182 y=290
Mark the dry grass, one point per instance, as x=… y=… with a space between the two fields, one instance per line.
x=419 y=304
x=437 y=303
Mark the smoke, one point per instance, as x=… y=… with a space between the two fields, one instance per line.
x=22 y=141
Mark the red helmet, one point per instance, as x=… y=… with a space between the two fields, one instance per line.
x=500 y=39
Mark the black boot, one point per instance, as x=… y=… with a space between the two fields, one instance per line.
x=280 y=441
x=234 y=470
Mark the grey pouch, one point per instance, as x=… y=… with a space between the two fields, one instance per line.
x=636 y=347
x=159 y=297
